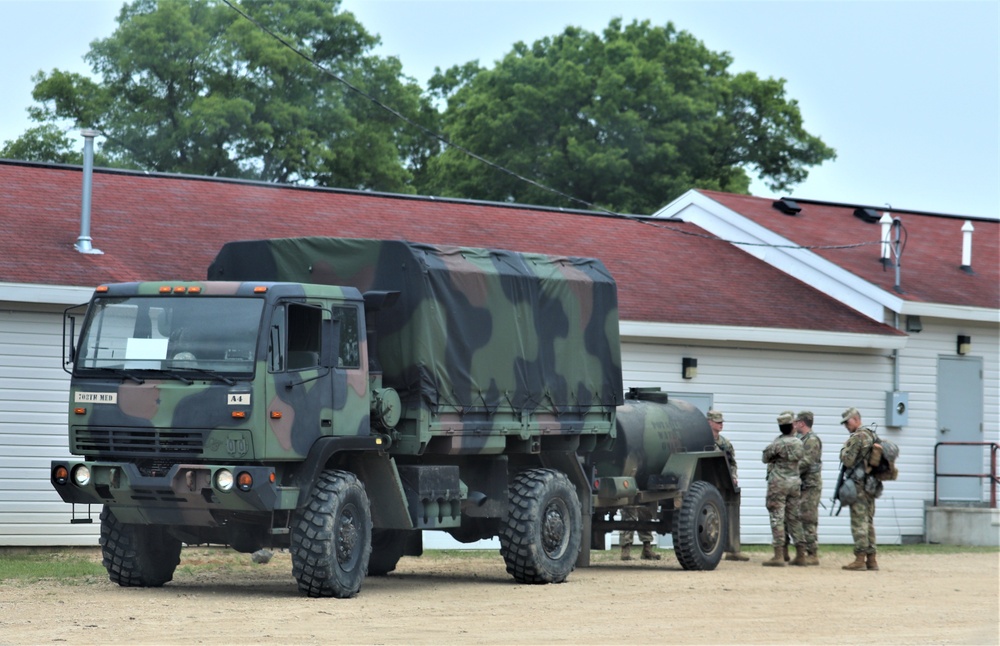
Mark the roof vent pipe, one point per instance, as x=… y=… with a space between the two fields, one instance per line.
x=886 y=222
x=83 y=242
x=967 y=230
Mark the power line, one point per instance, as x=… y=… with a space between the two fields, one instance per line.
x=441 y=138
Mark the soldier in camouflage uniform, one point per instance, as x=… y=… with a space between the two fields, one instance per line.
x=856 y=450
x=782 y=457
x=715 y=421
x=810 y=470
x=625 y=536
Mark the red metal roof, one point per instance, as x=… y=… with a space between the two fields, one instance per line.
x=930 y=267
x=153 y=227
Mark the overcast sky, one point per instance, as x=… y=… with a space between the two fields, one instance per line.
x=905 y=91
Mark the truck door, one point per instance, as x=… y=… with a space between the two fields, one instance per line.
x=299 y=390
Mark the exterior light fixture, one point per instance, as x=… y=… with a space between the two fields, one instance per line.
x=689 y=368
x=964 y=344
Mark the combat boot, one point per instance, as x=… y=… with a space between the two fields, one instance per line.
x=648 y=554
x=812 y=557
x=736 y=556
x=871 y=562
x=859 y=562
x=778 y=560
x=800 y=556
x=627 y=552
x=784 y=553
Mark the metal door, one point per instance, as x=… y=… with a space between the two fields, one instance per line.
x=960 y=419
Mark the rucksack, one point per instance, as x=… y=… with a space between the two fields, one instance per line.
x=882 y=459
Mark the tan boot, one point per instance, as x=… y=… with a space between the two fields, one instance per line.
x=736 y=556
x=648 y=554
x=812 y=557
x=778 y=560
x=871 y=562
x=626 y=552
x=800 y=556
x=859 y=562
x=784 y=553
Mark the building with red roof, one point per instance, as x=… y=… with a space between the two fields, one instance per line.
x=770 y=327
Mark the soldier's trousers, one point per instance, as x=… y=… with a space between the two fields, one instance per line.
x=863 y=523
x=783 y=509
x=809 y=515
x=629 y=513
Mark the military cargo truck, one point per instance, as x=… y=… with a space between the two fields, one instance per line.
x=339 y=397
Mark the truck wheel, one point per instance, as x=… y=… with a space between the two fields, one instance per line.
x=142 y=556
x=332 y=537
x=699 y=530
x=387 y=549
x=541 y=537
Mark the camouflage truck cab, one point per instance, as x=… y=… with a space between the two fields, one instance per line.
x=338 y=397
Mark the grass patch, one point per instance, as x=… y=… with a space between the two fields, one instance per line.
x=35 y=566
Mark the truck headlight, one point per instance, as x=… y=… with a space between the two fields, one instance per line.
x=81 y=475
x=224 y=480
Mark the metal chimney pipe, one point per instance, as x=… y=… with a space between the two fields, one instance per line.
x=83 y=242
x=967 y=230
x=886 y=222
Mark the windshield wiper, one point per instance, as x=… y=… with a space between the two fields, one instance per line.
x=121 y=373
x=211 y=373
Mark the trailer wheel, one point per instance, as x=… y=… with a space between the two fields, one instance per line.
x=332 y=537
x=699 y=529
x=141 y=556
x=541 y=537
x=387 y=549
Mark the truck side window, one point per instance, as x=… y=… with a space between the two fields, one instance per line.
x=350 y=351
x=304 y=336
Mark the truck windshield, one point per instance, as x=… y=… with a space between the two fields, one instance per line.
x=176 y=335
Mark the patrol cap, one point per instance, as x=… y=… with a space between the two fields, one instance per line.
x=848 y=414
x=786 y=417
x=804 y=416
x=714 y=416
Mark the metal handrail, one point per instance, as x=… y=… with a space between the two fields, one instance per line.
x=992 y=475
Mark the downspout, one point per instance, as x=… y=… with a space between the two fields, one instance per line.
x=83 y=241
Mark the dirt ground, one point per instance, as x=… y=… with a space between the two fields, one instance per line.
x=912 y=599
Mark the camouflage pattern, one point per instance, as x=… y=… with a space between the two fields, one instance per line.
x=782 y=457
x=635 y=513
x=811 y=472
x=478 y=338
x=863 y=524
x=857 y=448
x=726 y=447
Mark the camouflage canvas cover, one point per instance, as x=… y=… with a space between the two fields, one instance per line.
x=473 y=329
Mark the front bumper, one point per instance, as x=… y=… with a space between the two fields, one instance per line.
x=187 y=494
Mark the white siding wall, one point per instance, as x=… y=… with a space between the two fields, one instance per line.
x=918 y=376
x=33 y=394
x=751 y=386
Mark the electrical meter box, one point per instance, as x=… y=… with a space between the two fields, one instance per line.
x=897 y=408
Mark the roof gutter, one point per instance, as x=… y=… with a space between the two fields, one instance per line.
x=648 y=332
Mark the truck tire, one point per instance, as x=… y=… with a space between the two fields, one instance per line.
x=139 y=556
x=387 y=549
x=699 y=529
x=332 y=537
x=541 y=537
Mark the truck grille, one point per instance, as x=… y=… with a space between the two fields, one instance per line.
x=140 y=441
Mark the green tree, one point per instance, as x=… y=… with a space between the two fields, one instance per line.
x=627 y=121
x=191 y=86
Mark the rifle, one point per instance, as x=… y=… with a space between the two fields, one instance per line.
x=836 y=492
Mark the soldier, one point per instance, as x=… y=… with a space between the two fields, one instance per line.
x=715 y=421
x=856 y=450
x=810 y=470
x=625 y=536
x=782 y=457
